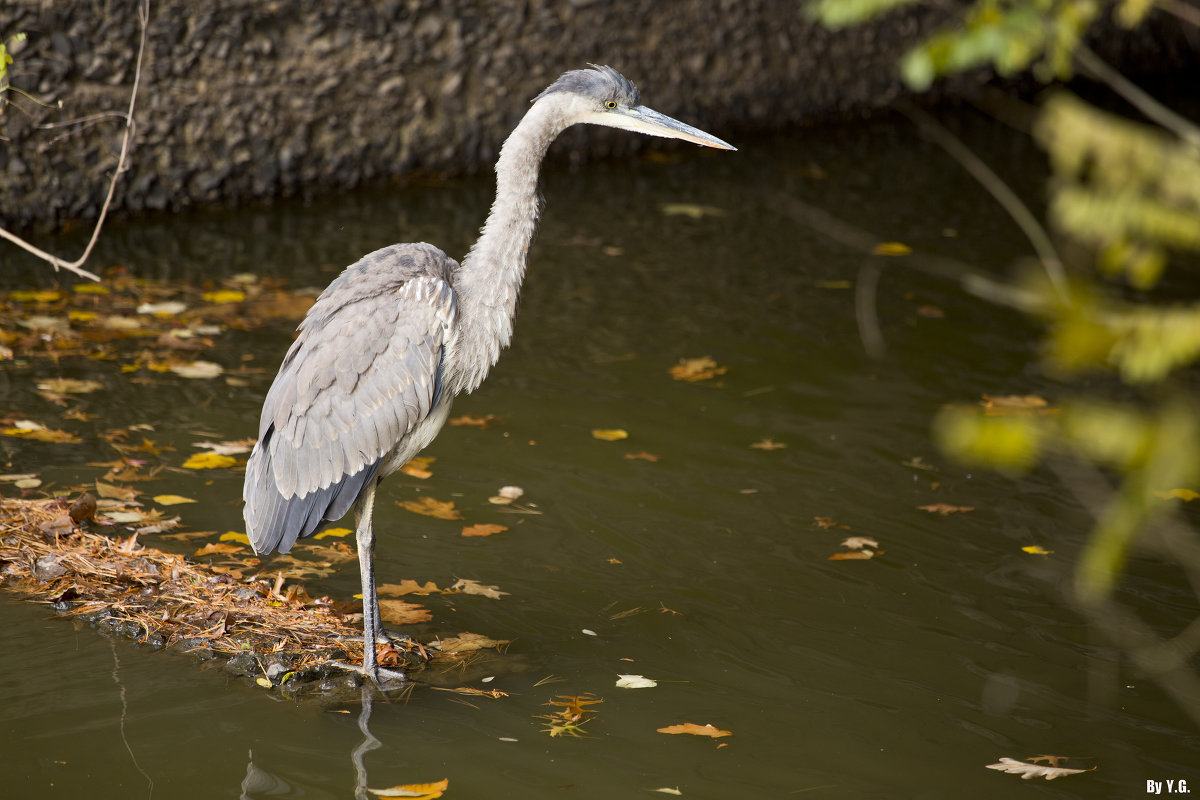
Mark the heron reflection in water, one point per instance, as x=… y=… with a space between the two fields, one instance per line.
x=379 y=358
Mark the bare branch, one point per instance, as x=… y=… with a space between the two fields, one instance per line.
x=76 y=266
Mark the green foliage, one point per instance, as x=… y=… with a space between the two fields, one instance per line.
x=6 y=58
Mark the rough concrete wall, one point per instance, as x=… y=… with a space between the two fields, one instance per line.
x=247 y=99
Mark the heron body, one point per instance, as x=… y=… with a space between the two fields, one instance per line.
x=380 y=356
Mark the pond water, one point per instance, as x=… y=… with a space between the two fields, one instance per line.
x=706 y=570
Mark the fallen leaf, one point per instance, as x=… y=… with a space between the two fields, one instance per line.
x=692 y=210
x=697 y=730
x=28 y=429
x=1037 y=550
x=418 y=467
x=859 y=542
x=225 y=296
x=399 y=612
x=1028 y=771
x=473 y=421
x=167 y=309
x=219 y=548
x=506 y=495
x=209 y=461
x=35 y=296
x=768 y=444
x=235 y=536
x=483 y=529
x=467 y=586
x=944 y=509
x=336 y=532
x=843 y=284
x=635 y=682
x=1187 y=495
x=669 y=790
x=609 y=434
x=696 y=369
x=417 y=791
x=197 y=369
x=109 y=491
x=891 y=249
x=408 y=586
x=829 y=522
x=123 y=517
x=171 y=499
x=466 y=642
x=69 y=386
x=1028 y=405
x=852 y=555
x=642 y=455
x=431 y=508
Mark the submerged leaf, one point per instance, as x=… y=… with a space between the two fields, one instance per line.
x=431 y=508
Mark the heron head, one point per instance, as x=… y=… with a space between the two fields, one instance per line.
x=603 y=96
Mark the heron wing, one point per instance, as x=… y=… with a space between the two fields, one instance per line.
x=365 y=370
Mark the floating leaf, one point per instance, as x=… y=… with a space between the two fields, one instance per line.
x=641 y=456
x=1037 y=550
x=691 y=210
x=506 y=495
x=669 y=790
x=467 y=586
x=219 y=548
x=1028 y=771
x=28 y=429
x=696 y=730
x=696 y=369
x=263 y=682
x=431 y=508
x=609 y=434
x=473 y=421
x=230 y=448
x=768 y=444
x=197 y=369
x=483 y=529
x=418 y=467
x=171 y=499
x=1016 y=405
x=69 y=386
x=944 y=509
x=338 y=532
x=234 y=536
x=166 y=309
x=891 y=249
x=635 y=682
x=416 y=791
x=466 y=643
x=408 y=586
x=110 y=491
x=859 y=542
x=225 y=296
x=209 y=461
x=852 y=555
x=42 y=296
x=399 y=612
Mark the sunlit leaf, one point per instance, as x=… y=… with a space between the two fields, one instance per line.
x=414 y=791
x=635 y=682
x=891 y=249
x=472 y=421
x=219 y=548
x=768 y=444
x=171 y=499
x=418 y=467
x=483 y=529
x=123 y=517
x=1187 y=495
x=408 y=586
x=431 y=508
x=90 y=288
x=399 y=612
x=1028 y=771
x=695 y=730
x=859 y=542
x=28 y=429
x=641 y=456
x=197 y=369
x=37 y=296
x=467 y=586
x=225 y=296
x=111 y=491
x=1036 y=550
x=696 y=369
x=263 y=682
x=609 y=434
x=506 y=495
x=69 y=386
x=234 y=536
x=230 y=448
x=466 y=643
x=336 y=532
x=209 y=461
x=166 y=309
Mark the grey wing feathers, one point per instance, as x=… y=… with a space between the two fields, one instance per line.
x=365 y=369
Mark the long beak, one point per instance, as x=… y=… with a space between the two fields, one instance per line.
x=649 y=121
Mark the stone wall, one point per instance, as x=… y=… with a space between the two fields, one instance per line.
x=245 y=99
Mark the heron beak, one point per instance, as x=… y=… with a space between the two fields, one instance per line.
x=649 y=121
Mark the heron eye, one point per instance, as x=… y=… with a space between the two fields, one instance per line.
x=610 y=104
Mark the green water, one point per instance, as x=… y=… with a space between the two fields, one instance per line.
x=897 y=677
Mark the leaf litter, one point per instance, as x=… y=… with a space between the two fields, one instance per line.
x=248 y=617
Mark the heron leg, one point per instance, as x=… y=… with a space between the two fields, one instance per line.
x=372 y=624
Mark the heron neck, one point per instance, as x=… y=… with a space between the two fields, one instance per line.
x=490 y=276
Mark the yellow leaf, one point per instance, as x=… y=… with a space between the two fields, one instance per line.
x=339 y=532
x=263 y=682
x=891 y=249
x=414 y=791
x=44 y=296
x=473 y=421
x=431 y=508
x=81 y=316
x=1016 y=405
x=696 y=369
x=1187 y=495
x=610 y=434
x=171 y=499
x=1037 y=550
x=215 y=548
x=691 y=210
x=225 y=296
x=26 y=429
x=231 y=536
x=89 y=288
x=209 y=461
x=483 y=529
x=697 y=730
x=418 y=467
x=399 y=612
x=768 y=444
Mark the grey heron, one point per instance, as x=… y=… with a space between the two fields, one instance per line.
x=380 y=356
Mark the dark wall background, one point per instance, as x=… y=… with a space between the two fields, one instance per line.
x=245 y=99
